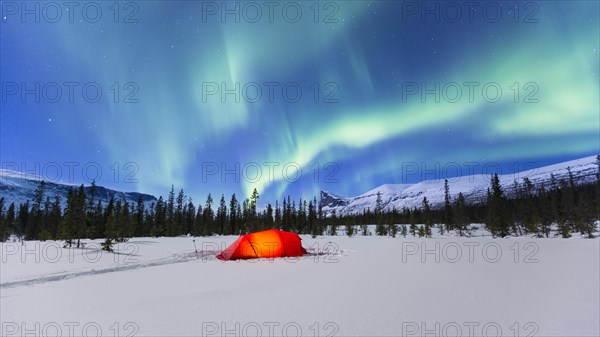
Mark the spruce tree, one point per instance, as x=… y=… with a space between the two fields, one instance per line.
x=199 y=223
x=569 y=205
x=149 y=221
x=160 y=218
x=43 y=232
x=140 y=211
x=67 y=227
x=531 y=218
x=349 y=229
x=208 y=217
x=277 y=214
x=496 y=207
x=426 y=218
x=422 y=231
x=268 y=219
x=3 y=223
x=303 y=217
x=320 y=217
x=564 y=205
x=127 y=222
x=90 y=212
x=314 y=228
x=293 y=216
x=597 y=184
x=190 y=217
x=515 y=209
x=21 y=219
x=170 y=213
x=119 y=225
x=413 y=222
x=460 y=215
x=178 y=227
x=285 y=217
x=546 y=211
x=244 y=216
x=233 y=218
x=36 y=215
x=585 y=217
x=448 y=216
x=222 y=215
x=333 y=219
x=254 y=201
x=392 y=229
x=110 y=227
x=253 y=215
x=81 y=215
x=10 y=219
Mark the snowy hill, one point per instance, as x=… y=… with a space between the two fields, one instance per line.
x=473 y=187
x=19 y=188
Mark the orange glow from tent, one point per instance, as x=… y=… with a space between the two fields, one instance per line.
x=266 y=244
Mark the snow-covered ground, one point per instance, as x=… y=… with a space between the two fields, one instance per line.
x=361 y=286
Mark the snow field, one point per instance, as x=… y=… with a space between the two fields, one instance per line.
x=375 y=286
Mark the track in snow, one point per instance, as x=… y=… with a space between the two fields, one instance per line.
x=69 y=275
x=176 y=258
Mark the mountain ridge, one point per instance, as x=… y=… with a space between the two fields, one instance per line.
x=473 y=187
x=18 y=188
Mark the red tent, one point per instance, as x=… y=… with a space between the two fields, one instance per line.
x=268 y=244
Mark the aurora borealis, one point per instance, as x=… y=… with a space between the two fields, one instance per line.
x=362 y=68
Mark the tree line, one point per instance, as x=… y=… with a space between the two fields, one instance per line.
x=85 y=216
x=561 y=207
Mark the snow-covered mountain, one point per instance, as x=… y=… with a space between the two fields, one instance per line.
x=20 y=187
x=473 y=187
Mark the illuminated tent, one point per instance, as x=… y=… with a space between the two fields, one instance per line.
x=266 y=244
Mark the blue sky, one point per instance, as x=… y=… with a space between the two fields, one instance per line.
x=343 y=96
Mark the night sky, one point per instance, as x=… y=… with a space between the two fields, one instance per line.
x=360 y=120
